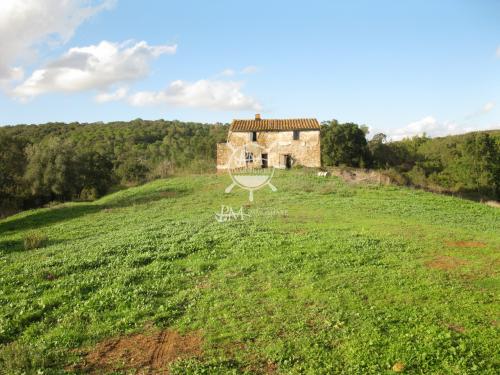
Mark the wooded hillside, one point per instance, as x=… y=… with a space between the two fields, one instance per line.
x=57 y=161
x=60 y=162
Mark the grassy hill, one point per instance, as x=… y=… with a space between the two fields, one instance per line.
x=322 y=277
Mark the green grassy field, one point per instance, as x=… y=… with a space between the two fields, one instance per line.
x=321 y=278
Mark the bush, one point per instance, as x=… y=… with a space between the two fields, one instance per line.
x=89 y=194
x=395 y=177
x=417 y=176
x=34 y=240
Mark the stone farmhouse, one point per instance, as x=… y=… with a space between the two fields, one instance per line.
x=278 y=143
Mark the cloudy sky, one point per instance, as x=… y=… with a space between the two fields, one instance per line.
x=401 y=67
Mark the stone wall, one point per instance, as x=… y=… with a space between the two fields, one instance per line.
x=305 y=151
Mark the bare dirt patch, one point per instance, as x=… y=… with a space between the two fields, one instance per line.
x=146 y=353
x=456 y=328
x=465 y=244
x=445 y=263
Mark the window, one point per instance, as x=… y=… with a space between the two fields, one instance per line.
x=296 y=135
x=248 y=157
x=253 y=136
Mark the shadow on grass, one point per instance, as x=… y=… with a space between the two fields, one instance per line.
x=12 y=246
x=47 y=217
x=127 y=201
x=476 y=195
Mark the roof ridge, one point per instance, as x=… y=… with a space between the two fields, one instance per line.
x=275 y=124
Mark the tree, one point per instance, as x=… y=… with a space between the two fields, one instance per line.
x=132 y=170
x=95 y=173
x=379 y=138
x=53 y=170
x=379 y=151
x=344 y=144
x=480 y=164
x=12 y=165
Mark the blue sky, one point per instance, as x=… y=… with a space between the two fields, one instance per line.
x=401 y=67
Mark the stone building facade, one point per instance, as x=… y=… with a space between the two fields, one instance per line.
x=279 y=143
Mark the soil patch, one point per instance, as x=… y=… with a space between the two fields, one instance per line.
x=456 y=328
x=445 y=263
x=466 y=244
x=146 y=353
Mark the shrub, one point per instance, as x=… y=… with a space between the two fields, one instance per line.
x=34 y=240
x=89 y=194
x=395 y=177
x=417 y=176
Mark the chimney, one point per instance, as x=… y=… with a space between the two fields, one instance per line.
x=257 y=117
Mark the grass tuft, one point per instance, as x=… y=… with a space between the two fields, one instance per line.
x=35 y=240
x=19 y=358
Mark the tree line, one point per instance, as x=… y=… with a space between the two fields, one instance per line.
x=60 y=162
x=466 y=164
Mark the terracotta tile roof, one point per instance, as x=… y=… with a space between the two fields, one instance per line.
x=274 y=125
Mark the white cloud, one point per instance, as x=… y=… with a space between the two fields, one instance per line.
x=228 y=73
x=114 y=96
x=488 y=107
x=433 y=128
x=251 y=69
x=93 y=67
x=211 y=94
x=425 y=125
x=12 y=74
x=484 y=109
x=26 y=25
x=498 y=51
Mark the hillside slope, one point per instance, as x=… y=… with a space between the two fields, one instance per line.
x=322 y=277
